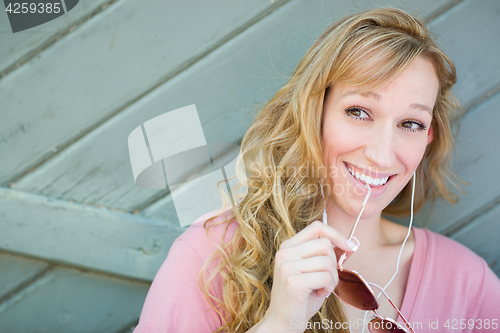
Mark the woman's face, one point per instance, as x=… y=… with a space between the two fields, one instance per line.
x=378 y=135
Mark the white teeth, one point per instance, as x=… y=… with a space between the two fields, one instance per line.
x=367 y=179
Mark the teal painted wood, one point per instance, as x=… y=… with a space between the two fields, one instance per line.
x=477 y=161
x=20 y=46
x=103 y=66
x=86 y=236
x=482 y=235
x=226 y=87
x=15 y=271
x=469 y=33
x=164 y=208
x=69 y=300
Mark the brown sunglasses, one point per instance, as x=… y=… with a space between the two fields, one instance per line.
x=355 y=291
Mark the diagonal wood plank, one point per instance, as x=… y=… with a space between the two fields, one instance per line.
x=106 y=64
x=17 y=48
x=86 y=236
x=481 y=236
x=164 y=208
x=70 y=300
x=470 y=35
x=17 y=270
x=226 y=87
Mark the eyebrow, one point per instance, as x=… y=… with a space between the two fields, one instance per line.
x=378 y=97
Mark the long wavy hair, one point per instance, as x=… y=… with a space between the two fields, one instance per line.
x=281 y=153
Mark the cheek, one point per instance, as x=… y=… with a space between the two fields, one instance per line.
x=337 y=140
x=411 y=154
x=338 y=132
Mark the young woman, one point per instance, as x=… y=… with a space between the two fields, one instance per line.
x=370 y=103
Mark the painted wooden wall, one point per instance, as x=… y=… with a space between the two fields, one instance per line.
x=79 y=241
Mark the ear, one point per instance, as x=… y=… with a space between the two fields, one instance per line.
x=430 y=135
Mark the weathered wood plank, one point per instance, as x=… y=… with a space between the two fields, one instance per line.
x=482 y=235
x=470 y=35
x=103 y=66
x=225 y=86
x=69 y=300
x=476 y=161
x=82 y=235
x=165 y=209
x=16 y=270
x=17 y=47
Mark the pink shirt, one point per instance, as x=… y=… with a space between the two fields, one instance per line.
x=455 y=285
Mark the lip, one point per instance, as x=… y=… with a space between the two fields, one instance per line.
x=358 y=184
x=368 y=172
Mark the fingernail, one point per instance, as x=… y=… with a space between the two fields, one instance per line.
x=352 y=245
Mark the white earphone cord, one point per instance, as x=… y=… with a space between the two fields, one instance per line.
x=400 y=251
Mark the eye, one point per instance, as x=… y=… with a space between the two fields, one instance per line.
x=356 y=113
x=413 y=126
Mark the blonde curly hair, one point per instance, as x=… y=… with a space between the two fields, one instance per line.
x=282 y=149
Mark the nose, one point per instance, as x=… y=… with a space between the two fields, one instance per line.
x=380 y=147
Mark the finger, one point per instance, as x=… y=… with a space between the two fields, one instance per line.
x=316 y=247
x=312 y=264
x=313 y=281
x=339 y=252
x=318 y=229
x=323 y=292
x=355 y=243
x=295 y=260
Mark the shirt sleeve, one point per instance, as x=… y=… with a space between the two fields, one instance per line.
x=175 y=302
x=489 y=307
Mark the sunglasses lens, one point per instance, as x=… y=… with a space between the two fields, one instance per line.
x=353 y=291
x=377 y=325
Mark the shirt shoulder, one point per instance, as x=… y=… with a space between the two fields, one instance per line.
x=449 y=281
x=450 y=253
x=204 y=240
x=455 y=266
x=175 y=297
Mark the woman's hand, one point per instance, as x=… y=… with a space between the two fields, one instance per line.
x=305 y=272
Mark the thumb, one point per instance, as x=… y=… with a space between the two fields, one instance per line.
x=354 y=245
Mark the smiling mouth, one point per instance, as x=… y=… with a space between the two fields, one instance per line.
x=373 y=182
